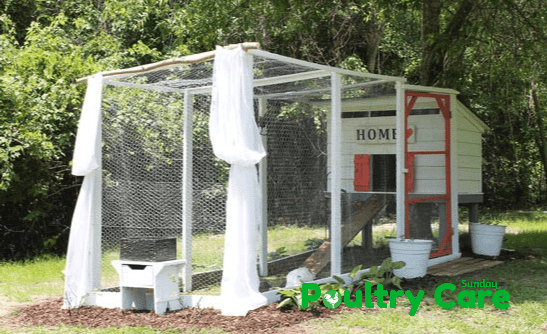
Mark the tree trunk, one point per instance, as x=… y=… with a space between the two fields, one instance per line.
x=436 y=44
x=431 y=14
x=373 y=34
x=541 y=140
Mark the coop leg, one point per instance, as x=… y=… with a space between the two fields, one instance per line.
x=442 y=223
x=420 y=221
x=474 y=213
x=366 y=236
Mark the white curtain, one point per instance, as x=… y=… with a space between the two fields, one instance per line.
x=236 y=139
x=81 y=275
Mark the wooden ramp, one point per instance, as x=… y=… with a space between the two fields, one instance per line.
x=321 y=257
x=461 y=266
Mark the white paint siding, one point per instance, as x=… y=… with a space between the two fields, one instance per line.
x=429 y=172
x=436 y=187
x=469 y=149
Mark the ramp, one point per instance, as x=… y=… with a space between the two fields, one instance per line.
x=363 y=216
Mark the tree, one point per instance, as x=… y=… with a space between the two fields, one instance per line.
x=438 y=42
x=491 y=51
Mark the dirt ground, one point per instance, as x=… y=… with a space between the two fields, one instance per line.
x=9 y=309
x=47 y=311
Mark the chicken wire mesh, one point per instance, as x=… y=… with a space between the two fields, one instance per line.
x=142 y=176
x=142 y=168
x=296 y=184
x=143 y=140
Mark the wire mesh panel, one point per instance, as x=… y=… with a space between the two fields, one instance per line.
x=144 y=146
x=297 y=207
x=142 y=168
x=297 y=164
x=209 y=180
x=368 y=172
x=142 y=179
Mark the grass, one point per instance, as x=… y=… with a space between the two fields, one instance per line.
x=282 y=241
x=527 y=313
x=208 y=248
x=524 y=279
x=41 y=276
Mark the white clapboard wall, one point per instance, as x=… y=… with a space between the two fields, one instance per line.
x=362 y=134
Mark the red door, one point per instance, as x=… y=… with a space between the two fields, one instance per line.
x=443 y=101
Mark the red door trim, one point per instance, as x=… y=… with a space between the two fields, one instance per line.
x=443 y=101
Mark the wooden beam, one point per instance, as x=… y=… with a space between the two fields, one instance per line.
x=191 y=59
x=321 y=257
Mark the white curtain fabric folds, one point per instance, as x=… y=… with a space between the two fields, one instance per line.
x=236 y=139
x=80 y=278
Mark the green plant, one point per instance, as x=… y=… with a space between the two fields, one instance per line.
x=339 y=284
x=383 y=275
x=293 y=297
x=313 y=243
x=278 y=253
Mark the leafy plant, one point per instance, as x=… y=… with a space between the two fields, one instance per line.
x=278 y=253
x=313 y=243
x=382 y=275
x=293 y=297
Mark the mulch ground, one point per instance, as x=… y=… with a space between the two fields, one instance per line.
x=267 y=319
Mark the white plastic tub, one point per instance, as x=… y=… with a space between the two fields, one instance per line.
x=486 y=239
x=414 y=253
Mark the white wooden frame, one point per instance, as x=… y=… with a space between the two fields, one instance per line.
x=334 y=133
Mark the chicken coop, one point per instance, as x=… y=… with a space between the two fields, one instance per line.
x=210 y=177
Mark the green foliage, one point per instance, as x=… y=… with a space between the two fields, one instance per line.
x=382 y=275
x=46 y=44
x=278 y=253
x=313 y=243
x=340 y=285
x=293 y=297
x=376 y=275
x=39 y=100
x=145 y=27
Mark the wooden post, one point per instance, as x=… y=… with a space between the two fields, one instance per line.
x=366 y=236
x=187 y=192
x=473 y=212
x=263 y=182
x=335 y=134
x=400 y=149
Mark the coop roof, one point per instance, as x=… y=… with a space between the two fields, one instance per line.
x=275 y=77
